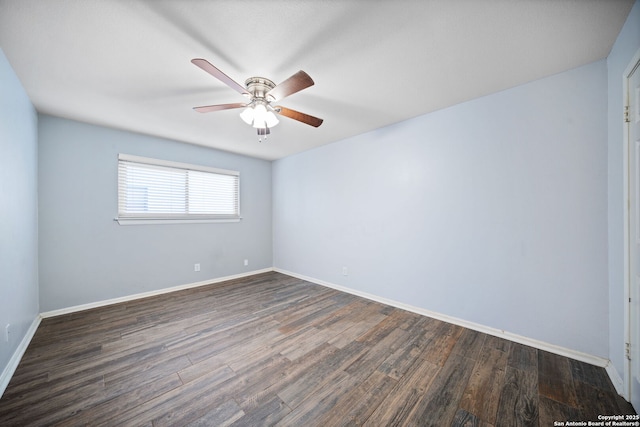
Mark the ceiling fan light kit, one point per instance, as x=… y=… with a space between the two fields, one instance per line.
x=259 y=112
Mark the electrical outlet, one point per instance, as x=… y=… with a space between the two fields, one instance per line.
x=246 y=262
x=345 y=271
x=7 y=332
x=196 y=267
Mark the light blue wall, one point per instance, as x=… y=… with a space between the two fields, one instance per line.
x=18 y=211
x=493 y=211
x=625 y=47
x=85 y=256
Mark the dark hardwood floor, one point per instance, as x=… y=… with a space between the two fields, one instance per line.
x=274 y=350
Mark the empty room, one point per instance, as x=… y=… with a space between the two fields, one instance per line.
x=319 y=213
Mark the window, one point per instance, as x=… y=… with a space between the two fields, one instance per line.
x=153 y=191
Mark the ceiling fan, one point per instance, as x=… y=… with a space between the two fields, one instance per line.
x=259 y=112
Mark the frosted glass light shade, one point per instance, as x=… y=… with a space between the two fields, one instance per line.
x=270 y=119
x=258 y=116
x=247 y=115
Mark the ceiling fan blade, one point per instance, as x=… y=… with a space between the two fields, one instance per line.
x=293 y=84
x=296 y=115
x=219 y=107
x=209 y=68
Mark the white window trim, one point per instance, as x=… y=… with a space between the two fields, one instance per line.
x=146 y=220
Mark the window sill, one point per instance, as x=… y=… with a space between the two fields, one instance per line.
x=149 y=221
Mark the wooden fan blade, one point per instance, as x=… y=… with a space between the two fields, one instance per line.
x=293 y=84
x=296 y=115
x=210 y=108
x=209 y=68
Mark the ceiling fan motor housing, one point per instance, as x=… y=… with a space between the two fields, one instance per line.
x=258 y=87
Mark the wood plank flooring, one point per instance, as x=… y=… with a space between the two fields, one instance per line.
x=274 y=350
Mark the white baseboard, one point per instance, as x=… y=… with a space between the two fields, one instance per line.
x=617 y=381
x=11 y=367
x=541 y=345
x=128 y=298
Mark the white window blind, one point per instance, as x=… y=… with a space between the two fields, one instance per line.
x=157 y=190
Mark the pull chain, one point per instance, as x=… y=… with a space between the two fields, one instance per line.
x=263 y=132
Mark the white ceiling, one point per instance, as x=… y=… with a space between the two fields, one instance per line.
x=126 y=63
